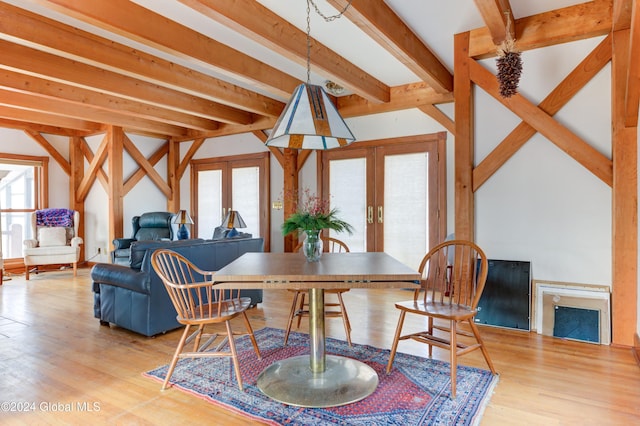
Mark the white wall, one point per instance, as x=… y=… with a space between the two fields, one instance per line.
x=543 y=206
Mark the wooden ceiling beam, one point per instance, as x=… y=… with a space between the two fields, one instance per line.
x=376 y=19
x=39 y=87
x=584 y=20
x=18 y=118
x=68 y=71
x=402 y=97
x=258 y=23
x=496 y=14
x=128 y=19
x=56 y=37
x=81 y=112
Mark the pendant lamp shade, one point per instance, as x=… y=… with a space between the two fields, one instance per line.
x=310 y=121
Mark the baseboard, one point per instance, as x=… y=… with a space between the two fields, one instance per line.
x=636 y=348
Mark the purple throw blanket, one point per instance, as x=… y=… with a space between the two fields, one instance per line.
x=54 y=217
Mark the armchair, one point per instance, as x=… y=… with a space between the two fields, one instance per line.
x=146 y=227
x=55 y=239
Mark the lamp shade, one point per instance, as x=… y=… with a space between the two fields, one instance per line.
x=233 y=220
x=310 y=121
x=183 y=218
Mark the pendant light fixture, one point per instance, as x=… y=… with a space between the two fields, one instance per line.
x=310 y=120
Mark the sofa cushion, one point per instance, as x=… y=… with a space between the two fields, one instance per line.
x=53 y=236
x=139 y=248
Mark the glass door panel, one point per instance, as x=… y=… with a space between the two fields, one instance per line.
x=347 y=186
x=406 y=207
x=209 y=202
x=245 y=197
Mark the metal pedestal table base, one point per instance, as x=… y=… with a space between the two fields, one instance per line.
x=292 y=382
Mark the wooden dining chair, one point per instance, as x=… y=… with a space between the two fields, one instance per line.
x=453 y=277
x=300 y=309
x=199 y=303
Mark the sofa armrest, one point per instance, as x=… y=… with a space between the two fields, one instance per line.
x=77 y=241
x=122 y=243
x=30 y=243
x=120 y=276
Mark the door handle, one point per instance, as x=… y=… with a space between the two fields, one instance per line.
x=370 y=214
x=379 y=214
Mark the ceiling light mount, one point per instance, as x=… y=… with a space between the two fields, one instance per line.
x=333 y=88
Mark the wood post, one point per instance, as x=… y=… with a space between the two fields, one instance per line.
x=115 y=137
x=624 y=202
x=464 y=140
x=290 y=169
x=76 y=160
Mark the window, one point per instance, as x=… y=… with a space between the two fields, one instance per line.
x=235 y=182
x=22 y=192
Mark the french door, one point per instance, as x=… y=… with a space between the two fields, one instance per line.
x=231 y=183
x=392 y=192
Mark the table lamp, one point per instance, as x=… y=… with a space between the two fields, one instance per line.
x=232 y=221
x=183 y=219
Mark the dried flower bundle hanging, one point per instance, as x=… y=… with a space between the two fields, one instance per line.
x=509 y=65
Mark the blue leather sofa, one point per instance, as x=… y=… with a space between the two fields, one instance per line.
x=134 y=297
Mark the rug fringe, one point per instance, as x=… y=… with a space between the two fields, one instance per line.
x=485 y=400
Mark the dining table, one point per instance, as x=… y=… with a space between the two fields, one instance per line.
x=317 y=379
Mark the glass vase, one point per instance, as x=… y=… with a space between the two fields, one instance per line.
x=312 y=245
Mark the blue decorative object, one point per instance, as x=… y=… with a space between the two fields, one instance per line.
x=183 y=232
x=183 y=219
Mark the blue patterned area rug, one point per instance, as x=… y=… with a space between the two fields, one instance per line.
x=415 y=393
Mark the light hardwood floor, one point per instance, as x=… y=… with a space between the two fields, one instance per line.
x=55 y=356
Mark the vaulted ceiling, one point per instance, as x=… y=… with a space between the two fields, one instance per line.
x=188 y=69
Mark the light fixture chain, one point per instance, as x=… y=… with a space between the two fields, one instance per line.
x=309 y=42
x=329 y=18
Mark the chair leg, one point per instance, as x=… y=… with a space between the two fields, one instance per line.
x=483 y=348
x=234 y=354
x=345 y=318
x=430 y=332
x=26 y=272
x=176 y=355
x=294 y=305
x=75 y=269
x=396 y=339
x=301 y=309
x=453 y=357
x=198 y=338
x=251 y=336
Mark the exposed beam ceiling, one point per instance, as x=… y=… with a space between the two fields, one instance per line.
x=190 y=69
